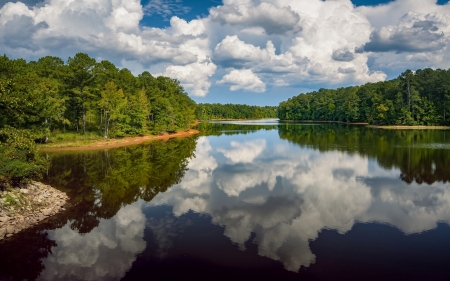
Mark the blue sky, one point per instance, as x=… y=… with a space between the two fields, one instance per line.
x=238 y=51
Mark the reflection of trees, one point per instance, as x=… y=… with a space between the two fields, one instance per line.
x=218 y=129
x=101 y=182
x=417 y=153
x=21 y=257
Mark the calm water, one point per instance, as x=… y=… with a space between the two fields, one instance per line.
x=248 y=200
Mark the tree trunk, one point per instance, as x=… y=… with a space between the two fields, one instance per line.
x=106 y=126
x=74 y=112
x=408 y=88
x=83 y=109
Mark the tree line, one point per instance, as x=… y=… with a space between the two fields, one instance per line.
x=414 y=98
x=207 y=111
x=83 y=95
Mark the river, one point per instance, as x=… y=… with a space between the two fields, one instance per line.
x=248 y=199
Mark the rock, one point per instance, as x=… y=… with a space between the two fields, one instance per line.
x=10 y=229
x=24 y=191
x=4 y=219
x=2 y=232
x=46 y=212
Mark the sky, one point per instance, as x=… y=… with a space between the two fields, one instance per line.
x=257 y=52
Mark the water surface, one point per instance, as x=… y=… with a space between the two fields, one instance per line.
x=248 y=200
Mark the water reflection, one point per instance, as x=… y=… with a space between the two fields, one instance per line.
x=100 y=183
x=288 y=194
x=421 y=155
x=105 y=253
x=274 y=190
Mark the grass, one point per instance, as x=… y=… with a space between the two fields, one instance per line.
x=58 y=139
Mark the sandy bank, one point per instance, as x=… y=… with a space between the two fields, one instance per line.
x=113 y=143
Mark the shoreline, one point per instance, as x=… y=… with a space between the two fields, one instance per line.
x=242 y=119
x=403 y=127
x=26 y=207
x=115 y=143
x=389 y=127
x=337 y=122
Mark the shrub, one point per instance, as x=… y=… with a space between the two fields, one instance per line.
x=19 y=160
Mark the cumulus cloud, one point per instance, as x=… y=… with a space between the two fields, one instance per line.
x=272 y=42
x=243 y=80
x=343 y=55
x=408 y=36
x=272 y=18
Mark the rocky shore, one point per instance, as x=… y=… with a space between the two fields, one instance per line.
x=26 y=207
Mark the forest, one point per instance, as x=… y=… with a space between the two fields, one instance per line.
x=414 y=98
x=83 y=95
x=206 y=111
x=49 y=97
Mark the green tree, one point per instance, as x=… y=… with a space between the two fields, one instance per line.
x=81 y=79
x=112 y=103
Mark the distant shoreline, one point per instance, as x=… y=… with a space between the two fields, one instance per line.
x=402 y=127
x=312 y=121
x=390 y=127
x=242 y=119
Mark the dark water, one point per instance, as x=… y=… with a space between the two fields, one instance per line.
x=248 y=200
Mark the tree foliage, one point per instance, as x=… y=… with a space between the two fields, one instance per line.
x=19 y=160
x=207 y=111
x=414 y=98
x=88 y=96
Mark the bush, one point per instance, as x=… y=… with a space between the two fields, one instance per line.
x=19 y=160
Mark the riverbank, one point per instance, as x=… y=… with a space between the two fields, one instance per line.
x=312 y=121
x=390 y=127
x=112 y=143
x=25 y=207
x=410 y=127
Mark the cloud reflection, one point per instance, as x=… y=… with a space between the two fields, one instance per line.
x=286 y=195
x=106 y=253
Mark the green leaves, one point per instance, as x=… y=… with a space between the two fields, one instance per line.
x=207 y=111
x=414 y=98
x=19 y=160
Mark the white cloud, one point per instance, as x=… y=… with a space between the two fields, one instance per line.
x=272 y=18
x=243 y=79
x=414 y=33
x=278 y=42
